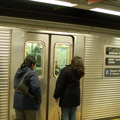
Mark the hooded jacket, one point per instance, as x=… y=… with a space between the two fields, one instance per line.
x=22 y=101
x=68 y=88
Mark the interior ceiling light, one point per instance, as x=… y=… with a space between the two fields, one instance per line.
x=56 y=2
x=106 y=11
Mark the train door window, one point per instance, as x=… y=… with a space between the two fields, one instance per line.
x=63 y=54
x=36 y=49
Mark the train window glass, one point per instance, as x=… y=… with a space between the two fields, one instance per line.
x=36 y=49
x=62 y=56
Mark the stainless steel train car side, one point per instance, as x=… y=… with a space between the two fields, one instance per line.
x=58 y=42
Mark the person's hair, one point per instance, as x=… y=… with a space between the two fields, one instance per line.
x=78 y=66
x=28 y=61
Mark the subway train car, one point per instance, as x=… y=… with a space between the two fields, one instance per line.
x=54 y=44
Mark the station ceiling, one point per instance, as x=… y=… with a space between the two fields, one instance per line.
x=80 y=14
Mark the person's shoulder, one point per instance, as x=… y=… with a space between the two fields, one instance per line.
x=32 y=72
x=67 y=68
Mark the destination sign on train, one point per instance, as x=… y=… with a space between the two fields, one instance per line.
x=112 y=61
x=112 y=51
x=112 y=72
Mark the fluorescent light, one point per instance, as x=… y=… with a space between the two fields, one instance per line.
x=106 y=11
x=56 y=2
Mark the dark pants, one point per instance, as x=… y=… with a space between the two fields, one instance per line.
x=26 y=114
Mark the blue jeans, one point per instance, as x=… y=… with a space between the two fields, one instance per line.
x=68 y=113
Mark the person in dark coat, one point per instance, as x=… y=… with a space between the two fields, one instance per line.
x=68 y=88
x=26 y=108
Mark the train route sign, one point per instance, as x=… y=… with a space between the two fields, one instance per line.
x=112 y=51
x=112 y=61
x=112 y=72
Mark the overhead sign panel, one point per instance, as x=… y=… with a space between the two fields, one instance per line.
x=93 y=1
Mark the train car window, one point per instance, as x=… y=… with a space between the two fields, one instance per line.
x=36 y=49
x=63 y=54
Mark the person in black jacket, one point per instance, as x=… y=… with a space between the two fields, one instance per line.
x=68 y=88
x=26 y=108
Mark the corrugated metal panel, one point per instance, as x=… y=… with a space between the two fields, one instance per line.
x=93 y=57
x=101 y=96
x=4 y=72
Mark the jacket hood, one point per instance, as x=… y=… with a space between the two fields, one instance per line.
x=20 y=72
